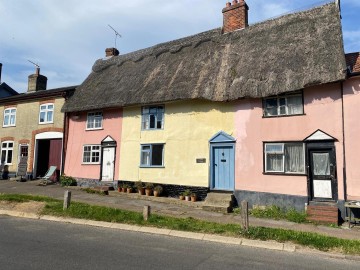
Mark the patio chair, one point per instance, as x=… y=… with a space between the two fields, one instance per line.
x=46 y=178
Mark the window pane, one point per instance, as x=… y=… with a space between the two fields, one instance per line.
x=49 y=116
x=152 y=121
x=42 y=117
x=9 y=156
x=274 y=148
x=271 y=107
x=294 y=158
x=3 y=156
x=274 y=163
x=157 y=155
x=6 y=120
x=321 y=164
x=294 y=104
x=50 y=107
x=145 y=158
x=42 y=107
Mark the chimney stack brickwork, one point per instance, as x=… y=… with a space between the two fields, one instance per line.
x=37 y=82
x=235 y=16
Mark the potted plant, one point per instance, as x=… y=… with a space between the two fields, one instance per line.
x=149 y=189
x=193 y=197
x=158 y=190
x=119 y=187
x=182 y=196
x=124 y=187
x=129 y=188
x=187 y=194
x=140 y=187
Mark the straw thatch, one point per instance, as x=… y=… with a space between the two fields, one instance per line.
x=273 y=57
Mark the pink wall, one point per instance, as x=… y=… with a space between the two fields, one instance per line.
x=79 y=136
x=352 y=136
x=322 y=110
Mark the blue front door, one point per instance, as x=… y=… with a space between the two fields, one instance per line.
x=223 y=167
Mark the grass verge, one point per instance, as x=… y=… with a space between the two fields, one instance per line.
x=100 y=213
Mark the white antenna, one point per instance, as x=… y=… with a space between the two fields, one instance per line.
x=116 y=34
x=34 y=64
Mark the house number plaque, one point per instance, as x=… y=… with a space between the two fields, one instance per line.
x=201 y=160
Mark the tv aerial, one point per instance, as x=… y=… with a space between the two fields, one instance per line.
x=36 y=65
x=116 y=33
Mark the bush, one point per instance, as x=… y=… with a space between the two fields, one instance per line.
x=67 y=181
x=275 y=212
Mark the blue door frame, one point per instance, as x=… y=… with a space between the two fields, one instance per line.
x=222 y=162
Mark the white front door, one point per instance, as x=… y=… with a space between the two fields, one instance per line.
x=108 y=163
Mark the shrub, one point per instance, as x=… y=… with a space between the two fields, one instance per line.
x=67 y=181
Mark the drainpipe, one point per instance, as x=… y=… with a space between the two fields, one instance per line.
x=65 y=139
x=343 y=135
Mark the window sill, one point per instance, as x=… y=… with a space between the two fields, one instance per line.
x=88 y=163
x=151 y=167
x=92 y=129
x=45 y=123
x=9 y=126
x=284 y=174
x=285 y=115
x=152 y=129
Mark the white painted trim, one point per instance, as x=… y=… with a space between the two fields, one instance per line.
x=49 y=135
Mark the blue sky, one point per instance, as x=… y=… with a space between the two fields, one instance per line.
x=66 y=37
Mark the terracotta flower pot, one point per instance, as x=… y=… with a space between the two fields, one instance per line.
x=148 y=192
x=119 y=189
x=156 y=193
x=129 y=190
x=123 y=189
x=181 y=197
x=141 y=191
x=187 y=198
x=193 y=198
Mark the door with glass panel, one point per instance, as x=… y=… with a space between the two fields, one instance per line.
x=322 y=174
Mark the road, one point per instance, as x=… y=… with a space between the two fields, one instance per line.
x=36 y=244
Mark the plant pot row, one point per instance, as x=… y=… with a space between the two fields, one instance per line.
x=188 y=198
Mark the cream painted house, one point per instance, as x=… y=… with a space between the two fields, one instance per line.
x=32 y=126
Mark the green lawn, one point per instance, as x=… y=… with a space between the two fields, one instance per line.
x=100 y=213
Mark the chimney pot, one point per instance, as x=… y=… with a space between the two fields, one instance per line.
x=228 y=4
x=234 y=2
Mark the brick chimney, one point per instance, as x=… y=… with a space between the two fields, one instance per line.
x=235 y=16
x=111 y=52
x=36 y=81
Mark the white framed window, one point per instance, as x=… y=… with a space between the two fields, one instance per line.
x=91 y=154
x=9 y=117
x=94 y=120
x=283 y=105
x=152 y=155
x=284 y=157
x=7 y=149
x=46 y=114
x=152 y=117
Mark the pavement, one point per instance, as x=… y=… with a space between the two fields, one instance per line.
x=169 y=207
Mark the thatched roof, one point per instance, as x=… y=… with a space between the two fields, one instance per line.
x=272 y=57
x=353 y=61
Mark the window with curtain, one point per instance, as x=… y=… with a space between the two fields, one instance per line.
x=94 y=120
x=152 y=155
x=283 y=105
x=284 y=157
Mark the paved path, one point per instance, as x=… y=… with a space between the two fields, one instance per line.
x=166 y=206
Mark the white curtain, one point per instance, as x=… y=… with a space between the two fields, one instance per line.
x=294 y=158
x=274 y=163
x=294 y=105
x=321 y=164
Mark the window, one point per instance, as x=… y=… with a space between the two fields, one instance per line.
x=9 y=117
x=94 y=120
x=91 y=154
x=7 y=152
x=46 y=113
x=152 y=155
x=284 y=157
x=284 y=105
x=152 y=117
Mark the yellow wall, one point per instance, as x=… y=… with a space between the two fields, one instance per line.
x=188 y=126
x=27 y=121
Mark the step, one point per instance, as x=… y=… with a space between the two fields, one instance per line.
x=219 y=202
x=324 y=213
